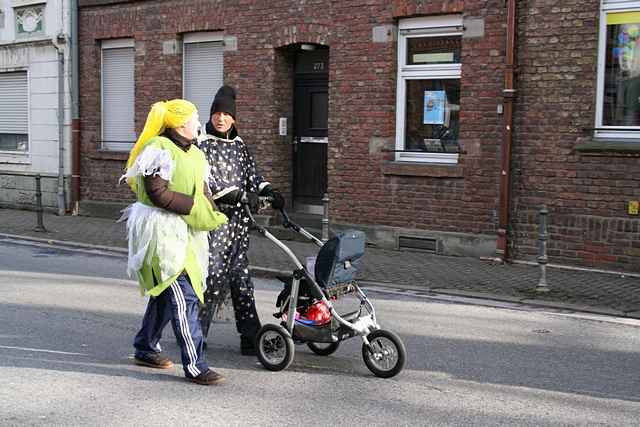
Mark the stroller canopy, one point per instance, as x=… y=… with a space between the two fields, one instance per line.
x=335 y=261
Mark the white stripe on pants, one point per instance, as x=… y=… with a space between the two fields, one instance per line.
x=184 y=329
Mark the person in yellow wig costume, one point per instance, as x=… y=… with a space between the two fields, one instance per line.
x=167 y=230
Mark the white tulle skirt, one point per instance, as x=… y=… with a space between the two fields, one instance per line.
x=154 y=232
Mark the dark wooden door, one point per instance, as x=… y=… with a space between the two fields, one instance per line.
x=311 y=127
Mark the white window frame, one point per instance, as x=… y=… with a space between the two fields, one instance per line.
x=15 y=156
x=200 y=37
x=433 y=26
x=203 y=37
x=113 y=44
x=621 y=132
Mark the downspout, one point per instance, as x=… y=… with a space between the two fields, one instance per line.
x=507 y=136
x=75 y=111
x=58 y=42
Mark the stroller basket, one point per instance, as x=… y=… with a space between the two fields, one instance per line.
x=336 y=262
x=332 y=331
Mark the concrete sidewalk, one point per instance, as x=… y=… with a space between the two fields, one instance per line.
x=604 y=293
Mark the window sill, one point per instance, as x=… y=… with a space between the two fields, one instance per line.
x=10 y=158
x=35 y=40
x=22 y=3
x=422 y=169
x=109 y=155
x=609 y=147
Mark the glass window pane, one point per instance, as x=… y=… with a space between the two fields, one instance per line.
x=432 y=115
x=433 y=50
x=621 y=98
x=14 y=142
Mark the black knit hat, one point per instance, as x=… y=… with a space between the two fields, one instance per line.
x=224 y=101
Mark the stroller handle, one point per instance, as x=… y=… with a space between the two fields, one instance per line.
x=286 y=223
x=271 y=237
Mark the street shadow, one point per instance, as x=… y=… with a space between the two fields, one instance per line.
x=61 y=339
x=575 y=368
x=35 y=360
x=100 y=343
x=304 y=362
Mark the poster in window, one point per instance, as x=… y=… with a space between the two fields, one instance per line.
x=434 y=107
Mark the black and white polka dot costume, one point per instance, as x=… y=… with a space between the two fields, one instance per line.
x=232 y=167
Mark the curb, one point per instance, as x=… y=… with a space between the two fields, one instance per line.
x=66 y=244
x=68 y=278
x=606 y=311
x=266 y=272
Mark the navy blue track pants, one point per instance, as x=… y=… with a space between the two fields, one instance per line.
x=178 y=304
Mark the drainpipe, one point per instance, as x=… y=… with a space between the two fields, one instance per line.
x=58 y=42
x=507 y=136
x=75 y=111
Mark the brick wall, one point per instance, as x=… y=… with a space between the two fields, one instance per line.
x=585 y=194
x=556 y=58
x=362 y=100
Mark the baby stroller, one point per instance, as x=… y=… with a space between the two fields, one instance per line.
x=308 y=316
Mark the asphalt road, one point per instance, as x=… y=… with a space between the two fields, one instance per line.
x=67 y=320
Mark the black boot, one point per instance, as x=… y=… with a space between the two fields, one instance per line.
x=247 y=346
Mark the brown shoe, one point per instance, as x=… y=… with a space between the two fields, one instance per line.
x=153 y=360
x=210 y=377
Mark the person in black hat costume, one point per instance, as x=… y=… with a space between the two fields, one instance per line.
x=233 y=175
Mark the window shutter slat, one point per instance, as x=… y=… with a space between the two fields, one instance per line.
x=14 y=103
x=118 y=115
x=203 y=74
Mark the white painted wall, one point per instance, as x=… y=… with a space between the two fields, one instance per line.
x=56 y=17
x=39 y=57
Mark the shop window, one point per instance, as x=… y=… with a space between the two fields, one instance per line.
x=14 y=112
x=428 y=92
x=118 y=119
x=202 y=69
x=618 y=97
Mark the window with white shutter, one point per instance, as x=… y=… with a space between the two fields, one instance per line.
x=118 y=116
x=202 y=70
x=14 y=111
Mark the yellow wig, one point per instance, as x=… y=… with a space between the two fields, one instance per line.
x=163 y=115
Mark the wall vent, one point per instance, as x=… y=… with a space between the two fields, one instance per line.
x=420 y=243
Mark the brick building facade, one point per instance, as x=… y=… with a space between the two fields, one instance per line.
x=415 y=121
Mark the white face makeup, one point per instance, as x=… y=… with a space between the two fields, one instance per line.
x=191 y=128
x=197 y=127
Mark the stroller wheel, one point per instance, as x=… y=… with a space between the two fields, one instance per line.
x=275 y=347
x=323 y=349
x=386 y=355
